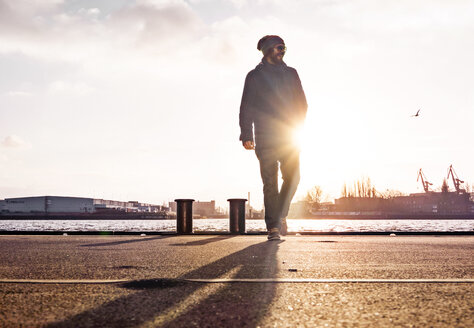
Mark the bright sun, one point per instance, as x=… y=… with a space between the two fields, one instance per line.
x=298 y=136
x=330 y=152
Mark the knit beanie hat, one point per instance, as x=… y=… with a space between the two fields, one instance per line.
x=268 y=42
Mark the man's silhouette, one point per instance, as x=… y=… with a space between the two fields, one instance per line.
x=274 y=103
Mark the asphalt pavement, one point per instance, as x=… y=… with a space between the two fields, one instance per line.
x=148 y=281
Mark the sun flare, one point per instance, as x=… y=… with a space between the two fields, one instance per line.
x=333 y=151
x=298 y=136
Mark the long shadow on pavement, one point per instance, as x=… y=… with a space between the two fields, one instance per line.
x=136 y=240
x=187 y=304
x=204 y=241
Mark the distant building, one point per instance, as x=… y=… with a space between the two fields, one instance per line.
x=443 y=203
x=146 y=208
x=434 y=203
x=60 y=204
x=255 y=214
x=205 y=208
x=430 y=204
x=199 y=208
x=360 y=204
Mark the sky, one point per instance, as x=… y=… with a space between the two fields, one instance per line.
x=139 y=100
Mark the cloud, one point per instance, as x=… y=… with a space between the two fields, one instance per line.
x=160 y=29
x=19 y=94
x=13 y=141
x=30 y=7
x=236 y=3
x=22 y=17
x=49 y=33
x=76 y=88
x=155 y=25
x=93 y=12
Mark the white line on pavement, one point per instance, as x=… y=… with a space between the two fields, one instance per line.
x=236 y=280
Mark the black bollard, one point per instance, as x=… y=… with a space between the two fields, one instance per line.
x=237 y=215
x=184 y=216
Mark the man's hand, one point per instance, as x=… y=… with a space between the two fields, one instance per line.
x=249 y=145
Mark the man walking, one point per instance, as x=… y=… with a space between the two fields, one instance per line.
x=274 y=103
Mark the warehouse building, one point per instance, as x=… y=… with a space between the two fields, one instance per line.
x=60 y=204
x=199 y=208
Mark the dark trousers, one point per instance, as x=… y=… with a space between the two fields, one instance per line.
x=277 y=202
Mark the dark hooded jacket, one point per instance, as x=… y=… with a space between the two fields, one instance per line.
x=274 y=102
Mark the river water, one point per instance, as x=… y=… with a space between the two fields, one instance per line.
x=222 y=225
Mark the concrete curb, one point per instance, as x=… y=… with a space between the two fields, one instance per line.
x=252 y=233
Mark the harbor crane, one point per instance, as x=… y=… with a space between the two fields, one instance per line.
x=424 y=182
x=457 y=182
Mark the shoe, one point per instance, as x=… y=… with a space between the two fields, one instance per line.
x=274 y=234
x=284 y=227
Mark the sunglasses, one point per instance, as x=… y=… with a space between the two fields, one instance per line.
x=281 y=48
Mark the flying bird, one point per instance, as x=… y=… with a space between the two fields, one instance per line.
x=417 y=113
